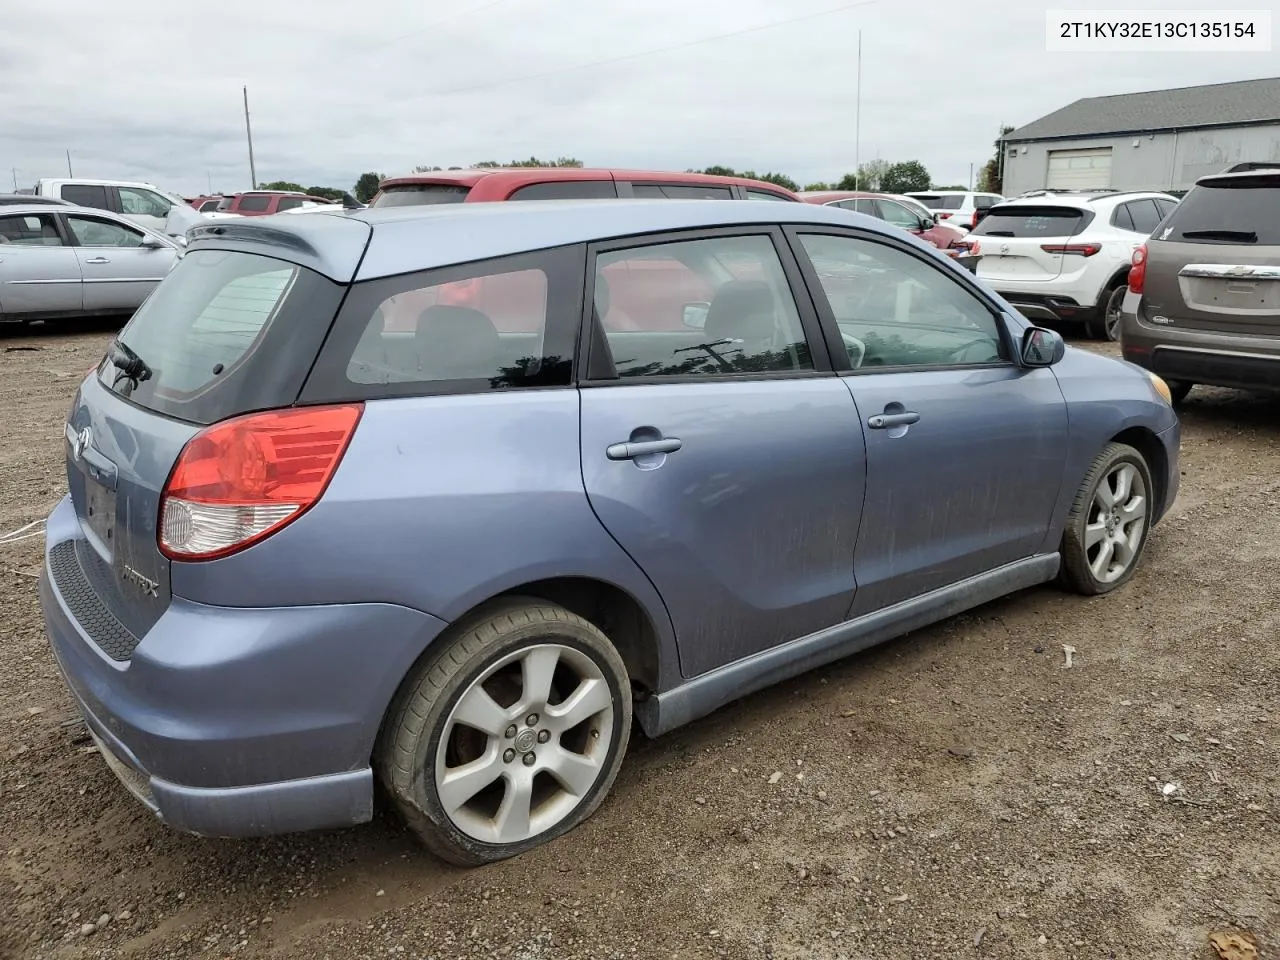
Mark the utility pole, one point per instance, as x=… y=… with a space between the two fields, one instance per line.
x=248 y=132
x=971 y=177
x=1000 y=155
x=69 y=173
x=15 y=179
x=857 y=119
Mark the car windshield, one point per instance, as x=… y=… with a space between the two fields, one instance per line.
x=940 y=201
x=416 y=194
x=1239 y=210
x=223 y=334
x=1032 y=222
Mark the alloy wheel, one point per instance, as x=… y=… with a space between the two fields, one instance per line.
x=1117 y=521
x=1113 y=314
x=524 y=744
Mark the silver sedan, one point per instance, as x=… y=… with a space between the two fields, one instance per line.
x=68 y=261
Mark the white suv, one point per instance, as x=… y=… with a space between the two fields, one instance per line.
x=1066 y=256
x=143 y=203
x=960 y=208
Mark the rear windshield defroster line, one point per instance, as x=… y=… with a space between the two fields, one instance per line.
x=225 y=333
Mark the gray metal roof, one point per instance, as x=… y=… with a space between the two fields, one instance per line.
x=1215 y=104
x=382 y=242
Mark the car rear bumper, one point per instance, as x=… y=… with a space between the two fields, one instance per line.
x=1200 y=356
x=240 y=722
x=1039 y=304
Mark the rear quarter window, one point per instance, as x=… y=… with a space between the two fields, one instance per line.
x=1241 y=210
x=226 y=333
x=500 y=324
x=254 y=204
x=1032 y=222
x=85 y=195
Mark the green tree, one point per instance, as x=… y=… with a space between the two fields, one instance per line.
x=433 y=169
x=329 y=193
x=850 y=181
x=781 y=179
x=990 y=179
x=871 y=175
x=818 y=186
x=904 y=177
x=367 y=185
x=287 y=186
x=531 y=162
x=954 y=186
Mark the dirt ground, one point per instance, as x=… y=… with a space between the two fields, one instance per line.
x=958 y=793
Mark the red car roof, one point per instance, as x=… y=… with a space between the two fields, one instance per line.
x=469 y=178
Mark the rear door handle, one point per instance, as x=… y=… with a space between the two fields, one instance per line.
x=629 y=451
x=97 y=260
x=883 y=421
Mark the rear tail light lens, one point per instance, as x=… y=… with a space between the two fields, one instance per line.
x=242 y=480
x=974 y=222
x=1075 y=249
x=1138 y=270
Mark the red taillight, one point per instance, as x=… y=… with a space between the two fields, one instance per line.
x=944 y=216
x=1076 y=249
x=242 y=480
x=1138 y=270
x=974 y=222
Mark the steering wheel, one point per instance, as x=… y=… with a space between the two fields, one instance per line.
x=857 y=349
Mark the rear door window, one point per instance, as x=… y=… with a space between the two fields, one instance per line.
x=226 y=333
x=1032 y=222
x=86 y=195
x=1237 y=210
x=289 y=203
x=254 y=203
x=567 y=190
x=767 y=195
x=92 y=232
x=1138 y=216
x=492 y=325
x=420 y=194
x=30 y=230
x=682 y=191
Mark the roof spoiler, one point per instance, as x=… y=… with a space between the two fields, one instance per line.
x=1251 y=165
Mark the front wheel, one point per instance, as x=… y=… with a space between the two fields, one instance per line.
x=1109 y=521
x=511 y=735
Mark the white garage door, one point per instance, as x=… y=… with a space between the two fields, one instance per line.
x=1079 y=169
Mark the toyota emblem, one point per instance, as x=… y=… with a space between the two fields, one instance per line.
x=80 y=443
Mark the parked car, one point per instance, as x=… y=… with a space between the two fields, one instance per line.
x=299 y=554
x=936 y=233
x=568 y=183
x=28 y=200
x=962 y=208
x=59 y=261
x=206 y=204
x=1203 y=297
x=1066 y=256
x=263 y=203
x=143 y=203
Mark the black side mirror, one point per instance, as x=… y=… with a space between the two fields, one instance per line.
x=927 y=223
x=1042 y=347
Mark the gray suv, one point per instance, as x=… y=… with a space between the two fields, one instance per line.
x=443 y=496
x=1203 y=304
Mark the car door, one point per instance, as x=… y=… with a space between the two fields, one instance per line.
x=718 y=448
x=145 y=207
x=965 y=449
x=39 y=271
x=119 y=272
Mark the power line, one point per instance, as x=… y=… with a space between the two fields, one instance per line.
x=436 y=23
x=646 y=53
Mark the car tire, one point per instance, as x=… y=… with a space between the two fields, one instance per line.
x=1109 y=522
x=474 y=795
x=1178 y=390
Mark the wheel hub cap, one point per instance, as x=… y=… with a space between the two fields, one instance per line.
x=526 y=739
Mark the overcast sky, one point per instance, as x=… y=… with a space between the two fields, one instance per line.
x=151 y=90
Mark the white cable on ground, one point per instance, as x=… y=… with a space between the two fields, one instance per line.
x=13 y=536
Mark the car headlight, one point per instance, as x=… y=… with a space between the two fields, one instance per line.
x=1161 y=388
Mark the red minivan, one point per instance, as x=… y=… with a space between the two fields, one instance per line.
x=511 y=299
x=488 y=184
x=263 y=203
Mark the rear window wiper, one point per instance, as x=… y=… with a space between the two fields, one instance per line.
x=999 y=233
x=1238 y=236
x=130 y=365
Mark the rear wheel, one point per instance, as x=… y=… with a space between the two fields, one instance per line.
x=1111 y=312
x=1109 y=521
x=510 y=736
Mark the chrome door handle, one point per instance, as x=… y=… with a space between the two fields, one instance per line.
x=884 y=421
x=629 y=451
x=97 y=260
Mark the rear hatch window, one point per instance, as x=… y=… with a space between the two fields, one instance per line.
x=418 y=194
x=1242 y=210
x=952 y=201
x=225 y=333
x=1032 y=222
